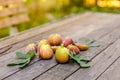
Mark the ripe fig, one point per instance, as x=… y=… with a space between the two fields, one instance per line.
x=54 y=48
x=43 y=41
x=45 y=51
x=67 y=41
x=82 y=47
x=55 y=39
x=62 y=54
x=73 y=48
x=31 y=46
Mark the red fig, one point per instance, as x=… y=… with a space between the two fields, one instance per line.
x=73 y=48
x=67 y=41
x=31 y=46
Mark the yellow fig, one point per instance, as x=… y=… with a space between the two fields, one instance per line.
x=62 y=54
x=82 y=47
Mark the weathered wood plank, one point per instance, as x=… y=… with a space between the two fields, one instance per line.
x=43 y=35
x=11 y=11
x=6 y=2
x=13 y=20
x=104 y=42
x=57 y=73
x=36 y=37
x=13 y=54
x=99 y=64
x=37 y=31
x=63 y=66
x=80 y=21
x=112 y=73
x=76 y=26
x=8 y=57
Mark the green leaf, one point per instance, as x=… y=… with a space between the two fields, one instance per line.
x=94 y=45
x=83 y=64
x=80 y=60
x=21 y=55
x=25 y=64
x=71 y=54
x=89 y=41
x=77 y=56
x=28 y=57
x=76 y=42
x=31 y=53
x=17 y=63
x=85 y=59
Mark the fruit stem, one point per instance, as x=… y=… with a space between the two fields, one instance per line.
x=62 y=45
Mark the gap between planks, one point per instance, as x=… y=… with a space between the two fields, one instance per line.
x=107 y=68
x=68 y=20
x=39 y=30
x=29 y=40
x=112 y=73
x=18 y=45
x=100 y=63
x=12 y=78
x=4 y=55
x=65 y=31
x=51 y=75
x=37 y=38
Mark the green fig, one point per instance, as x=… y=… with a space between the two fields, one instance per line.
x=62 y=54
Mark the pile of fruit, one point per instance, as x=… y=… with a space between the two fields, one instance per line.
x=64 y=50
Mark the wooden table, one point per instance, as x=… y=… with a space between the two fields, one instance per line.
x=104 y=28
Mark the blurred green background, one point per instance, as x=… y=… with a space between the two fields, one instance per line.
x=43 y=11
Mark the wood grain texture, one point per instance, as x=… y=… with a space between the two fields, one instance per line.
x=11 y=11
x=6 y=2
x=38 y=31
x=99 y=64
x=112 y=73
x=13 y=20
x=79 y=22
x=82 y=24
x=93 y=52
x=106 y=35
x=63 y=66
x=8 y=56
